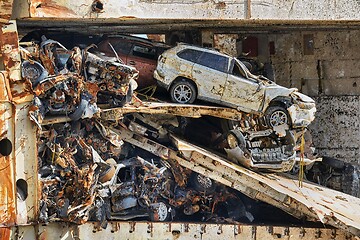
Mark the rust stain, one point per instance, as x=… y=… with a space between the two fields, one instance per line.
x=7 y=206
x=8 y=46
x=47 y=8
x=220 y=5
x=5 y=11
x=10 y=51
x=5 y=233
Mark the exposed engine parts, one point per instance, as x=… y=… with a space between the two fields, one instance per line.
x=72 y=83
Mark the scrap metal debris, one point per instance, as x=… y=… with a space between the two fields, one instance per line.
x=124 y=163
x=73 y=82
x=88 y=173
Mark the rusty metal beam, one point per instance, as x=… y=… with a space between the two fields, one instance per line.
x=188 y=110
x=131 y=25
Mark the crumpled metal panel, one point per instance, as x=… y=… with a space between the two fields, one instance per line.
x=327 y=205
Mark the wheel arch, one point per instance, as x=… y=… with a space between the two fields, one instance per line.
x=179 y=78
x=281 y=101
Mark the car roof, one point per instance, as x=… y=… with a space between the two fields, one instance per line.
x=203 y=49
x=136 y=39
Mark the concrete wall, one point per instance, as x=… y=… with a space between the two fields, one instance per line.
x=330 y=64
x=336 y=129
x=191 y=9
x=330 y=72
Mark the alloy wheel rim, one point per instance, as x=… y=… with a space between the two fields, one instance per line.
x=182 y=93
x=162 y=211
x=278 y=118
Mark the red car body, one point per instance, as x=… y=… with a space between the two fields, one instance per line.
x=137 y=52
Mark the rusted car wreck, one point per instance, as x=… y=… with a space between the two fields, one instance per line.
x=105 y=155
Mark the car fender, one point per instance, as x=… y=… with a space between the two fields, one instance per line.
x=276 y=92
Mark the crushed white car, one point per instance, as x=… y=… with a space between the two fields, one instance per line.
x=189 y=73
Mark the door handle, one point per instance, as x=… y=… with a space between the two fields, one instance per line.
x=132 y=63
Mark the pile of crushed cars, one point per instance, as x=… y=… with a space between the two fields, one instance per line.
x=87 y=172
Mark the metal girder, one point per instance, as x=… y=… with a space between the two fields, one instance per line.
x=131 y=25
x=171 y=230
x=188 y=110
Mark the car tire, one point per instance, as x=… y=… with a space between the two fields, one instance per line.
x=183 y=91
x=202 y=184
x=276 y=116
x=236 y=139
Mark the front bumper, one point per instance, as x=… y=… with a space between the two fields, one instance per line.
x=301 y=117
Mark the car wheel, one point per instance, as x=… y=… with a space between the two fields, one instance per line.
x=161 y=212
x=276 y=116
x=235 y=139
x=183 y=92
x=202 y=183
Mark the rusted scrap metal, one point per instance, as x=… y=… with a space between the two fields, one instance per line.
x=311 y=202
x=71 y=83
x=87 y=173
x=96 y=169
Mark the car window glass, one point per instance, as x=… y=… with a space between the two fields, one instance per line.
x=189 y=54
x=214 y=61
x=143 y=51
x=122 y=47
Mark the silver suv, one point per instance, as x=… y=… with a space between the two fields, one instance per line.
x=189 y=73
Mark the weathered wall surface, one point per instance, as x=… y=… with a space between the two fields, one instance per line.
x=325 y=65
x=330 y=64
x=336 y=129
x=192 y=9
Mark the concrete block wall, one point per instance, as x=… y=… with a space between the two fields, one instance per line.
x=332 y=68
x=336 y=128
x=192 y=9
x=330 y=74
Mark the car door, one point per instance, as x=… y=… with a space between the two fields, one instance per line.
x=108 y=46
x=210 y=73
x=143 y=58
x=242 y=90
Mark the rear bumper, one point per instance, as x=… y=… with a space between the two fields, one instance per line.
x=160 y=80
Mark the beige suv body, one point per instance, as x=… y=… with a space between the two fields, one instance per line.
x=189 y=73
